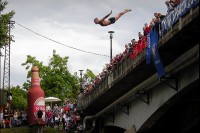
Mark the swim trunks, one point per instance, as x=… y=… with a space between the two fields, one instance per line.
x=112 y=20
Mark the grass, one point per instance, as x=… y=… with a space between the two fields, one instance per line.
x=29 y=130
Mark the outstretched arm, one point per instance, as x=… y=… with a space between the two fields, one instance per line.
x=106 y=16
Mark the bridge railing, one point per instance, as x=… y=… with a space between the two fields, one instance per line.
x=120 y=70
x=128 y=64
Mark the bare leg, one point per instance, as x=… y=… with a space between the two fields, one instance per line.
x=121 y=13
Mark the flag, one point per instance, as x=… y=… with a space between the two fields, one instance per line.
x=148 y=51
x=157 y=62
x=152 y=52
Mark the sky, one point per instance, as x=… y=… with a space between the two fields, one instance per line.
x=69 y=24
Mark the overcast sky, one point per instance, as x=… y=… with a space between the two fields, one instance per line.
x=70 y=22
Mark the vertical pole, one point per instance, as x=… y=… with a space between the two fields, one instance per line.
x=110 y=49
x=0 y=83
x=0 y=74
x=81 y=89
x=111 y=37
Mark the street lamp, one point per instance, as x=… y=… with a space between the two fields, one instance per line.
x=81 y=89
x=1 y=91
x=111 y=36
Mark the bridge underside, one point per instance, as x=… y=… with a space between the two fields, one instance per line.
x=113 y=129
x=182 y=117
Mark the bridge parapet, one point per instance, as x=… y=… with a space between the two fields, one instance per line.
x=114 y=76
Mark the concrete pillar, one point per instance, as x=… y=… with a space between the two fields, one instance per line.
x=131 y=130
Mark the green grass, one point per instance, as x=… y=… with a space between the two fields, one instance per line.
x=29 y=130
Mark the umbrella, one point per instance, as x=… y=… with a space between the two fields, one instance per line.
x=52 y=99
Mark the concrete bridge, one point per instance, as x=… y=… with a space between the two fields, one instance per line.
x=133 y=99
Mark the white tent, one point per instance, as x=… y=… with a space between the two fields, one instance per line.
x=52 y=99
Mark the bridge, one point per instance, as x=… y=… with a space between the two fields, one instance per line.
x=133 y=99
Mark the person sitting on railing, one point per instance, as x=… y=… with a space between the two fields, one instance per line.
x=169 y=5
x=139 y=46
x=90 y=88
x=151 y=25
x=105 y=71
x=134 y=50
x=130 y=45
x=133 y=41
x=119 y=57
x=109 y=66
x=156 y=21
x=102 y=75
x=160 y=16
x=175 y=2
x=122 y=56
x=146 y=29
x=114 y=61
x=140 y=35
x=157 y=18
x=126 y=51
x=97 y=81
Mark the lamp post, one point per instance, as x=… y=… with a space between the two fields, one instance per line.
x=111 y=36
x=1 y=92
x=81 y=89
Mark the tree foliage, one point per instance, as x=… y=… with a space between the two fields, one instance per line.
x=4 y=21
x=89 y=74
x=56 y=80
x=19 y=100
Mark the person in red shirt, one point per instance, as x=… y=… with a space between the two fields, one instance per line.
x=49 y=116
x=105 y=22
x=146 y=29
x=7 y=123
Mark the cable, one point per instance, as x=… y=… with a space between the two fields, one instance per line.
x=60 y=42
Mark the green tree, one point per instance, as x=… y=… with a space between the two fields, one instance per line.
x=19 y=96
x=89 y=74
x=4 y=21
x=56 y=80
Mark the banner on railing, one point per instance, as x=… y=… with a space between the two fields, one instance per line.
x=152 y=52
x=175 y=14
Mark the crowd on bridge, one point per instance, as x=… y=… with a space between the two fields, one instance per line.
x=132 y=49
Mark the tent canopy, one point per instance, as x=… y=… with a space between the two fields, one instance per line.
x=52 y=99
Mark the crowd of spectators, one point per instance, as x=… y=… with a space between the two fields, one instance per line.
x=131 y=49
x=64 y=117
x=13 y=118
